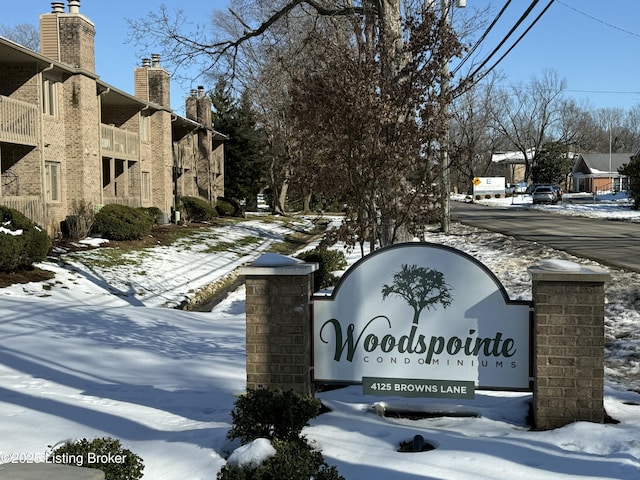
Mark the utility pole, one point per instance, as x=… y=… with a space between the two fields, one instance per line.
x=444 y=145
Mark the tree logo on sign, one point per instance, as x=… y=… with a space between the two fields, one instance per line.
x=420 y=287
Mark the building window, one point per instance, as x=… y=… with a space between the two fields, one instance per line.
x=49 y=97
x=145 y=178
x=52 y=179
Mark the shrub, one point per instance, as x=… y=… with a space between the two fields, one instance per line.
x=79 y=223
x=119 y=222
x=104 y=454
x=328 y=261
x=279 y=416
x=198 y=210
x=154 y=213
x=632 y=170
x=21 y=241
x=294 y=460
x=228 y=207
x=273 y=414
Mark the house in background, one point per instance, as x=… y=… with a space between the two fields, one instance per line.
x=66 y=136
x=510 y=165
x=598 y=172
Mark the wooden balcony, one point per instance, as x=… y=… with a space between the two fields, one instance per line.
x=18 y=122
x=130 y=201
x=29 y=205
x=119 y=143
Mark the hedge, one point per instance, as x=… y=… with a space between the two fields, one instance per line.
x=22 y=243
x=119 y=222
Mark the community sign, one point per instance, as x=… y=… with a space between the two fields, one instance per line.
x=489 y=186
x=421 y=319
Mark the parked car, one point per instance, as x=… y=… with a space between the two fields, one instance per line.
x=534 y=186
x=558 y=190
x=545 y=194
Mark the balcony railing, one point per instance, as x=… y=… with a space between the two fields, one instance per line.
x=29 y=205
x=18 y=122
x=130 y=201
x=119 y=143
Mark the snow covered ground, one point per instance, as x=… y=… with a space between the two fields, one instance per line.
x=98 y=351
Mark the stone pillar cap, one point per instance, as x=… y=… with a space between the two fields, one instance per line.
x=276 y=264
x=275 y=260
x=557 y=270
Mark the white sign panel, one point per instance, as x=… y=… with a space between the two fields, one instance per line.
x=421 y=311
x=489 y=185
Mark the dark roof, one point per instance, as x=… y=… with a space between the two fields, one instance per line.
x=602 y=162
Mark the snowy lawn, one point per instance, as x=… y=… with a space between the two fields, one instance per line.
x=97 y=352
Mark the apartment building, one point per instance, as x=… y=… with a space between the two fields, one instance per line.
x=67 y=136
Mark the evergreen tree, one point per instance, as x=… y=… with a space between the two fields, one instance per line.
x=632 y=170
x=552 y=164
x=244 y=164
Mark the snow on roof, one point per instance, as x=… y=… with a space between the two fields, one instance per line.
x=512 y=157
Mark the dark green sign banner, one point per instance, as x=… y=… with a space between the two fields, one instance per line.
x=418 y=387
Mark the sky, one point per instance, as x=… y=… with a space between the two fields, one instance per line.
x=589 y=43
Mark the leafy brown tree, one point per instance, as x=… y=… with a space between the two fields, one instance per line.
x=390 y=52
x=383 y=167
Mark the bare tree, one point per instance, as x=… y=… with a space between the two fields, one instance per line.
x=24 y=34
x=472 y=138
x=576 y=126
x=527 y=114
x=618 y=130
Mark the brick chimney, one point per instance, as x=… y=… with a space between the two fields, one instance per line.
x=198 y=107
x=151 y=82
x=68 y=37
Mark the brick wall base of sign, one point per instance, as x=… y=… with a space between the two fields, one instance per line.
x=568 y=343
x=278 y=316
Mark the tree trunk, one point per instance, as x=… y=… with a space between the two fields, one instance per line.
x=306 y=205
x=280 y=201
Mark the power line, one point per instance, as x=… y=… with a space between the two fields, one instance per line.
x=475 y=72
x=485 y=73
x=571 y=90
x=481 y=39
x=628 y=32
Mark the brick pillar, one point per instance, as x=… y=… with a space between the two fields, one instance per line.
x=568 y=346
x=278 y=315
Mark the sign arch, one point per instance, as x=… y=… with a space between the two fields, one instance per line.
x=421 y=314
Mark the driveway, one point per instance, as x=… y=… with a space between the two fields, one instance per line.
x=610 y=242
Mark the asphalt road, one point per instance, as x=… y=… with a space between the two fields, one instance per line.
x=610 y=242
